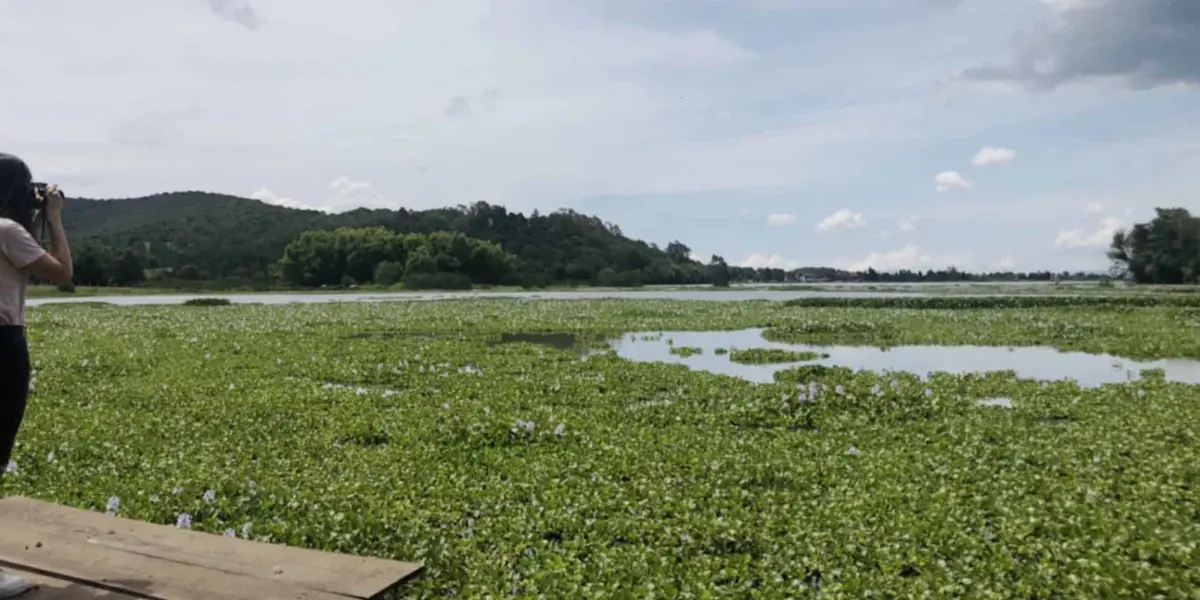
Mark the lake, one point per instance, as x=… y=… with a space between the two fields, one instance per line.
x=1029 y=362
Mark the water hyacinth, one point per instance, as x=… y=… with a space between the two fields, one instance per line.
x=114 y=504
x=712 y=473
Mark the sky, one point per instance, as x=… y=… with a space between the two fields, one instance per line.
x=980 y=134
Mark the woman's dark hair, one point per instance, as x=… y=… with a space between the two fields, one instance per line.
x=16 y=191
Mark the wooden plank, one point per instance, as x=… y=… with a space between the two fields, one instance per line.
x=139 y=575
x=51 y=588
x=342 y=574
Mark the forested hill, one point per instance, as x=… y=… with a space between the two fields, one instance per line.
x=214 y=236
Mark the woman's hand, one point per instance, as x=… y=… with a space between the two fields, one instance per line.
x=53 y=201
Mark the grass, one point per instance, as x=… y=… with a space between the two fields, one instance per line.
x=403 y=430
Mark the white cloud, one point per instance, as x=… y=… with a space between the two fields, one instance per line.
x=949 y=180
x=908 y=257
x=780 y=220
x=842 y=219
x=1004 y=263
x=1080 y=238
x=774 y=261
x=992 y=156
x=905 y=225
x=269 y=197
x=490 y=105
x=341 y=195
x=1094 y=207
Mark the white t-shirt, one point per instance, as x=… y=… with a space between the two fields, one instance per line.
x=18 y=250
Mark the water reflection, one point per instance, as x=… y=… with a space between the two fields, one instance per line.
x=1032 y=362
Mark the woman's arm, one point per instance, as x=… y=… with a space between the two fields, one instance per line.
x=55 y=265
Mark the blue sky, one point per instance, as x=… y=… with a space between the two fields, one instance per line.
x=771 y=132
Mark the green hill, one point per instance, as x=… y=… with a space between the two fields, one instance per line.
x=219 y=237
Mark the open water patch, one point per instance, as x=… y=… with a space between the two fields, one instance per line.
x=1041 y=363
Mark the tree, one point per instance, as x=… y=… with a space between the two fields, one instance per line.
x=389 y=272
x=128 y=269
x=718 y=271
x=90 y=262
x=678 y=252
x=1164 y=251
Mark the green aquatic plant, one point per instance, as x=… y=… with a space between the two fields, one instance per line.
x=685 y=351
x=774 y=355
x=207 y=302
x=526 y=470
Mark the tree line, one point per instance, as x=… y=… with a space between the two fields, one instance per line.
x=196 y=239
x=346 y=257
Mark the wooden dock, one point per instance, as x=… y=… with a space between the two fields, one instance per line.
x=74 y=554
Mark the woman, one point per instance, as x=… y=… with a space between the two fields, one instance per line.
x=23 y=210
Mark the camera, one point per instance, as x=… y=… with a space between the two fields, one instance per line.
x=37 y=195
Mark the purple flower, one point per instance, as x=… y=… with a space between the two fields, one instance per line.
x=114 y=503
x=184 y=521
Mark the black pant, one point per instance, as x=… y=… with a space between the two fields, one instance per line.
x=14 y=387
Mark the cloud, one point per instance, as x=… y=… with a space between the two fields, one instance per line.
x=269 y=197
x=905 y=225
x=842 y=219
x=909 y=257
x=463 y=104
x=992 y=156
x=341 y=195
x=950 y=180
x=237 y=11
x=1139 y=43
x=1094 y=207
x=593 y=105
x=762 y=261
x=1080 y=238
x=1004 y=263
x=780 y=220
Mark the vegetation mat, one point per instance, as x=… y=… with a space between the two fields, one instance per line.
x=499 y=443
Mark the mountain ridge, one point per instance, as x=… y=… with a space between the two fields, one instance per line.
x=222 y=236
